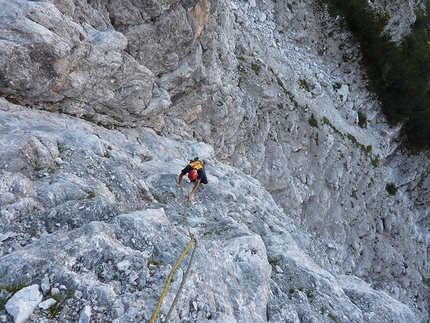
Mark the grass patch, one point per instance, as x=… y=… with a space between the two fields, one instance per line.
x=91 y=195
x=60 y=299
x=32 y=233
x=366 y=149
x=332 y=317
x=256 y=68
x=374 y=160
x=425 y=280
x=157 y=197
x=327 y=122
x=154 y=262
x=62 y=148
x=281 y=84
x=353 y=140
x=423 y=177
x=11 y=100
x=304 y=85
x=216 y=231
x=313 y=122
x=39 y=168
x=274 y=261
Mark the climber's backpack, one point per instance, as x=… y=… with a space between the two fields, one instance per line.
x=196 y=164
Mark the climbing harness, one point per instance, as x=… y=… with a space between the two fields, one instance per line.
x=175 y=267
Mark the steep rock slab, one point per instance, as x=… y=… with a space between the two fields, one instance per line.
x=103 y=254
x=318 y=296
x=39 y=47
x=48 y=58
x=230 y=278
x=109 y=79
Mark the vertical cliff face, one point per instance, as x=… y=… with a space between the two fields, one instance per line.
x=312 y=213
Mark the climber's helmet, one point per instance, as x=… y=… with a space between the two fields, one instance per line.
x=192 y=175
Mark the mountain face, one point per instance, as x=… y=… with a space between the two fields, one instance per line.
x=313 y=211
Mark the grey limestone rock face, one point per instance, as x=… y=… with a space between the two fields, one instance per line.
x=114 y=248
x=48 y=58
x=100 y=60
x=398 y=24
x=308 y=215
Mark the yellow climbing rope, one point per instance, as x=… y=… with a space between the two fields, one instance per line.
x=184 y=279
x=166 y=287
x=172 y=272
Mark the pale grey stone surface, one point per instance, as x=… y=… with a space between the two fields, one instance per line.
x=296 y=223
x=23 y=303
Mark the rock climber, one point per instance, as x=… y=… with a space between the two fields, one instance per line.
x=196 y=173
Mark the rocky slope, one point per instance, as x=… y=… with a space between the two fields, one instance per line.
x=310 y=215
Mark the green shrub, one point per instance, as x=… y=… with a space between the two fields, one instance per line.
x=391 y=188
x=313 y=122
x=336 y=86
x=374 y=161
x=398 y=74
x=366 y=149
x=362 y=119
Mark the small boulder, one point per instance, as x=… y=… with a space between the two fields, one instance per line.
x=123 y=265
x=47 y=304
x=85 y=315
x=23 y=303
